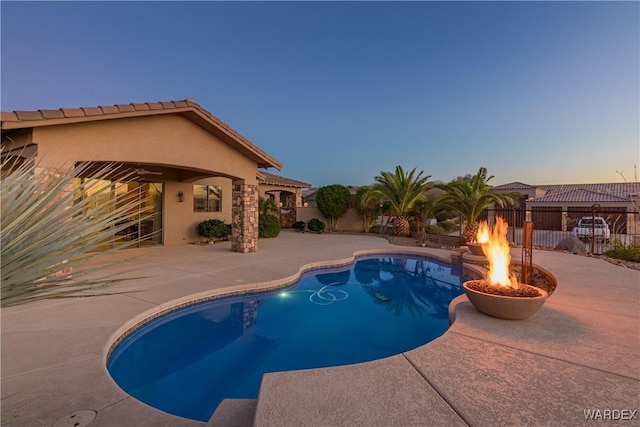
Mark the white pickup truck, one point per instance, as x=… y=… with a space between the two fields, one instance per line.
x=590 y=226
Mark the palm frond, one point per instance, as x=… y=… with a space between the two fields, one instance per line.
x=268 y=206
x=401 y=189
x=470 y=198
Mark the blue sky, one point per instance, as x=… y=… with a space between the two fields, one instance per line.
x=538 y=92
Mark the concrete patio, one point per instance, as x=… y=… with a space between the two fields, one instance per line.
x=579 y=353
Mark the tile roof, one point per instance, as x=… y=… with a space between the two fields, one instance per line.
x=622 y=190
x=271 y=179
x=27 y=119
x=612 y=192
x=579 y=195
x=513 y=186
x=10 y=117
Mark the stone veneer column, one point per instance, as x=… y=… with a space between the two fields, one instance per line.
x=244 y=222
x=298 y=197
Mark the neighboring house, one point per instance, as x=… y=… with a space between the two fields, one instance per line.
x=285 y=191
x=189 y=163
x=559 y=207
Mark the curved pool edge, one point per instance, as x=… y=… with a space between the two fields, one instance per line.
x=163 y=309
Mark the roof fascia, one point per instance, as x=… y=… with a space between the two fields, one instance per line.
x=192 y=113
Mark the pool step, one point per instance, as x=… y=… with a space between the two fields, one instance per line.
x=234 y=413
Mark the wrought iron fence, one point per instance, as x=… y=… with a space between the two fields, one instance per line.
x=552 y=225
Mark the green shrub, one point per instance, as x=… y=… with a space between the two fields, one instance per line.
x=214 y=229
x=444 y=216
x=333 y=202
x=316 y=225
x=447 y=225
x=624 y=252
x=299 y=225
x=268 y=226
x=432 y=229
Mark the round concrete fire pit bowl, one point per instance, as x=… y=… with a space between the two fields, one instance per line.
x=476 y=249
x=505 y=307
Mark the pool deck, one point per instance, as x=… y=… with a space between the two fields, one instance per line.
x=581 y=352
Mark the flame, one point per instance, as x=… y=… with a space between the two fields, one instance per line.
x=498 y=254
x=483 y=232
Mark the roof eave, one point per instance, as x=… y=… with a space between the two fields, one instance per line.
x=193 y=113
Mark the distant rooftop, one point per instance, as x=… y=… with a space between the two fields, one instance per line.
x=272 y=179
x=514 y=186
x=588 y=193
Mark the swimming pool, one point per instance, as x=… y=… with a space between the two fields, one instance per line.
x=188 y=361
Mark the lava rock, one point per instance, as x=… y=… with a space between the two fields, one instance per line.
x=571 y=244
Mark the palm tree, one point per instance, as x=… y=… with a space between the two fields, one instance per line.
x=469 y=197
x=268 y=207
x=369 y=206
x=422 y=210
x=402 y=190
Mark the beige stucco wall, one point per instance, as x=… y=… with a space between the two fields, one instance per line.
x=182 y=220
x=349 y=222
x=171 y=142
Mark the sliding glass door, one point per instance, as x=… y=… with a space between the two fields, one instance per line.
x=145 y=216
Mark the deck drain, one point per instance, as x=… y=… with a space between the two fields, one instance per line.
x=77 y=419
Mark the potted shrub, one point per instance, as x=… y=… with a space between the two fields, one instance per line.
x=299 y=226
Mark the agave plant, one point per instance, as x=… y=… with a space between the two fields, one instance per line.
x=49 y=228
x=470 y=197
x=402 y=190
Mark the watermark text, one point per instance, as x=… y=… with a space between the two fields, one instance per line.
x=610 y=414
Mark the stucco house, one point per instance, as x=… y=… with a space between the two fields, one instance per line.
x=286 y=192
x=193 y=165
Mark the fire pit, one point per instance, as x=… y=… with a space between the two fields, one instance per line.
x=482 y=237
x=500 y=294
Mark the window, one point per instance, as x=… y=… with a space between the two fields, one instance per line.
x=207 y=198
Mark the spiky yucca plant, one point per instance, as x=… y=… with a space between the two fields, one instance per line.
x=401 y=190
x=49 y=228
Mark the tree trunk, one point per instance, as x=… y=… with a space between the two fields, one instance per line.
x=469 y=234
x=401 y=227
x=420 y=225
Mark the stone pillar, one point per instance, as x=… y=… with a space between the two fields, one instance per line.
x=298 y=197
x=244 y=222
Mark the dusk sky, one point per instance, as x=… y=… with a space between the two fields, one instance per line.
x=538 y=92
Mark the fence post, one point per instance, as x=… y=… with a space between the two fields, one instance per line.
x=527 y=253
x=593 y=227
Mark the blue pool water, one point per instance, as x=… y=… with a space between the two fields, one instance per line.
x=187 y=362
